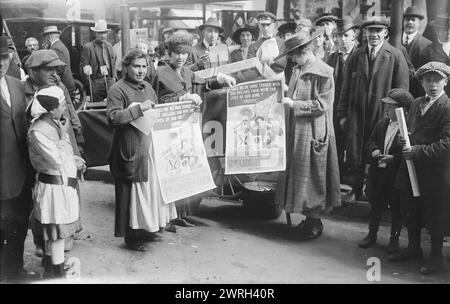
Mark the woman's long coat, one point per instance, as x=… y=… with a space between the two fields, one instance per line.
x=364 y=86
x=311 y=180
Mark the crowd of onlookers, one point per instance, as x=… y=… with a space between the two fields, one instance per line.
x=345 y=81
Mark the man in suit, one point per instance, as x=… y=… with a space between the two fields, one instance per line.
x=328 y=22
x=52 y=34
x=429 y=125
x=415 y=44
x=32 y=45
x=199 y=56
x=97 y=62
x=371 y=72
x=15 y=172
x=347 y=41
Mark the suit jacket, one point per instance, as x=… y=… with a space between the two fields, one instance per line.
x=416 y=53
x=378 y=177
x=65 y=73
x=14 y=161
x=197 y=51
x=361 y=92
x=93 y=55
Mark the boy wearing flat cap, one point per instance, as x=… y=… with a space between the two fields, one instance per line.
x=385 y=153
x=429 y=125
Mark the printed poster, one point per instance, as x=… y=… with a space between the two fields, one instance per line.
x=255 y=129
x=180 y=157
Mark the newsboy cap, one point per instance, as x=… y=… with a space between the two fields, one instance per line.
x=399 y=97
x=377 y=21
x=266 y=18
x=43 y=58
x=433 y=66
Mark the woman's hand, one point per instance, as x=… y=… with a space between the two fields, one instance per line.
x=63 y=124
x=80 y=163
x=147 y=105
x=287 y=101
x=228 y=80
x=376 y=153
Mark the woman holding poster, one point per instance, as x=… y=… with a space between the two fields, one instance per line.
x=310 y=184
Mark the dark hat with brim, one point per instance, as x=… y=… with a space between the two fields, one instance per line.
x=51 y=29
x=167 y=29
x=399 y=97
x=266 y=18
x=43 y=58
x=326 y=17
x=433 y=66
x=376 y=22
x=212 y=22
x=298 y=40
x=441 y=21
x=413 y=11
x=345 y=25
x=287 y=27
x=4 y=50
x=244 y=28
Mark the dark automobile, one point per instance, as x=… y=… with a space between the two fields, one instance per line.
x=74 y=35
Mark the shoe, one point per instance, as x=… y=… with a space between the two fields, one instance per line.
x=311 y=229
x=182 y=222
x=432 y=266
x=394 y=245
x=58 y=271
x=82 y=235
x=68 y=244
x=368 y=241
x=147 y=236
x=406 y=255
x=137 y=246
x=171 y=228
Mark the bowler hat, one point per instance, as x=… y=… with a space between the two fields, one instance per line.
x=345 y=24
x=377 y=21
x=100 y=26
x=399 y=97
x=433 y=66
x=266 y=18
x=326 y=17
x=441 y=21
x=299 y=39
x=413 y=11
x=4 y=50
x=43 y=58
x=50 y=30
x=287 y=27
x=212 y=22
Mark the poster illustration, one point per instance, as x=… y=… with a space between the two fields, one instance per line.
x=180 y=157
x=255 y=129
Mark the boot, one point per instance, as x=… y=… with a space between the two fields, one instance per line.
x=311 y=229
x=48 y=267
x=368 y=241
x=58 y=271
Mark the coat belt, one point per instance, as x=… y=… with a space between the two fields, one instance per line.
x=57 y=180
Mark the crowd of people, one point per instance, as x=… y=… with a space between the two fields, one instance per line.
x=345 y=81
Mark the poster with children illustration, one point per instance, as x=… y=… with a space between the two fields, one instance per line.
x=255 y=129
x=180 y=157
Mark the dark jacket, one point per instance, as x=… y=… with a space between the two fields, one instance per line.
x=93 y=55
x=14 y=161
x=379 y=177
x=361 y=92
x=197 y=51
x=169 y=86
x=129 y=155
x=430 y=141
x=415 y=51
x=65 y=73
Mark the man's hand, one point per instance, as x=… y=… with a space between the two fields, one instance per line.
x=147 y=105
x=343 y=124
x=203 y=59
x=407 y=153
x=287 y=101
x=387 y=159
x=87 y=69
x=376 y=153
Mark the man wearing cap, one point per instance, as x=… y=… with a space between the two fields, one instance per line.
x=328 y=22
x=16 y=176
x=310 y=184
x=51 y=34
x=346 y=33
x=429 y=127
x=370 y=73
x=199 y=57
x=384 y=152
x=97 y=62
x=167 y=33
x=14 y=69
x=266 y=21
x=414 y=43
x=42 y=67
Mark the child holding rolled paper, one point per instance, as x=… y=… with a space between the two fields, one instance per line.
x=385 y=152
x=429 y=127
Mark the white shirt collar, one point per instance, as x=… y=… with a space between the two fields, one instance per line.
x=206 y=44
x=432 y=100
x=53 y=42
x=5 y=91
x=377 y=48
x=410 y=37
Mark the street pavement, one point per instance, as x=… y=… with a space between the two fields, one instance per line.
x=228 y=246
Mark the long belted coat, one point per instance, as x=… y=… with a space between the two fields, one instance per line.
x=361 y=93
x=311 y=180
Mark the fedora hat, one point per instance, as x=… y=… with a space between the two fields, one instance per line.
x=377 y=21
x=326 y=17
x=300 y=39
x=413 y=11
x=244 y=28
x=50 y=30
x=100 y=26
x=4 y=50
x=212 y=22
x=441 y=21
x=345 y=24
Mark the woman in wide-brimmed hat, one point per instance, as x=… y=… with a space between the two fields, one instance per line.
x=310 y=184
x=243 y=36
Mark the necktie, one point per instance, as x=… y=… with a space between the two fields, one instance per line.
x=372 y=55
x=105 y=56
x=424 y=104
x=407 y=40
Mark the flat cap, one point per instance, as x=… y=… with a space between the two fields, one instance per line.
x=377 y=21
x=399 y=97
x=433 y=66
x=266 y=17
x=43 y=58
x=326 y=17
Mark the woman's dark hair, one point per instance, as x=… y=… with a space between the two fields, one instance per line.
x=131 y=55
x=179 y=42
